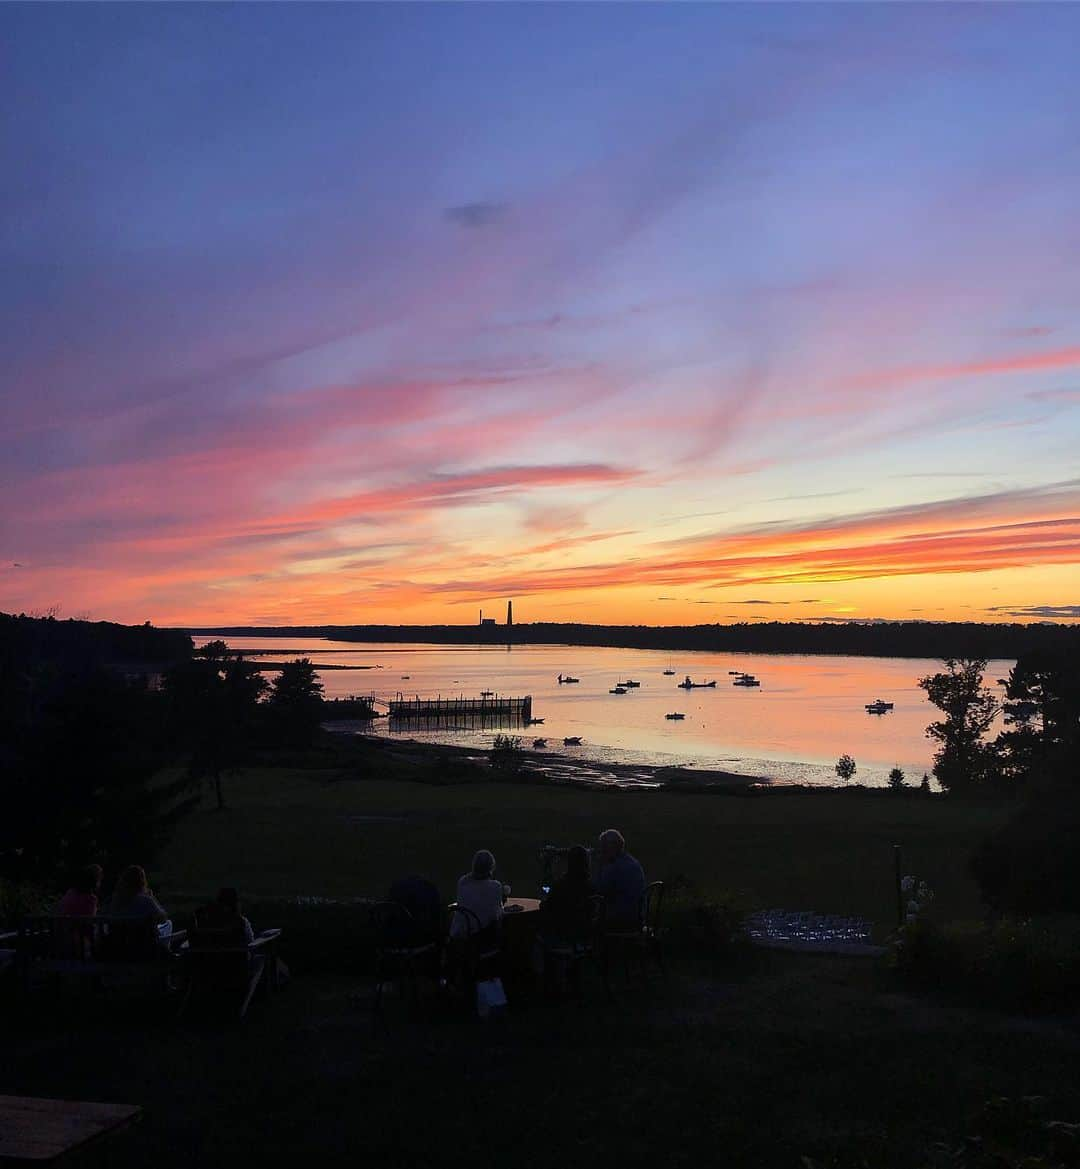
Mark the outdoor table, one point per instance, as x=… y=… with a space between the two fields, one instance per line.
x=43 y=1131
x=519 y=928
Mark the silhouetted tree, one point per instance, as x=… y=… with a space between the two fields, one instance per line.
x=295 y=703
x=924 y=786
x=963 y=760
x=213 y=703
x=896 y=779
x=1041 y=740
x=845 y=767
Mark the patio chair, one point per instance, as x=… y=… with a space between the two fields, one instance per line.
x=223 y=967
x=643 y=942
x=574 y=954
x=400 y=954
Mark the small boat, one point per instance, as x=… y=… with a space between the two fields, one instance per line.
x=572 y=741
x=539 y=744
x=746 y=680
x=737 y=673
x=563 y=678
x=617 y=690
x=535 y=722
x=878 y=706
x=675 y=715
x=487 y=693
x=686 y=684
x=629 y=683
x=405 y=677
x=670 y=673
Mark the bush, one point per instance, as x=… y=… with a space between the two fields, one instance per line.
x=1027 y=965
x=506 y=754
x=1031 y=865
x=699 y=925
x=19 y=899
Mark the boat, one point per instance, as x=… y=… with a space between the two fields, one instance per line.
x=737 y=673
x=563 y=678
x=487 y=693
x=405 y=677
x=878 y=706
x=675 y=715
x=617 y=690
x=572 y=741
x=686 y=684
x=535 y=722
x=539 y=744
x=629 y=683
x=670 y=673
x=746 y=680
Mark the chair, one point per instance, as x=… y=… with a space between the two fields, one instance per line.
x=574 y=953
x=643 y=942
x=399 y=951
x=475 y=949
x=223 y=966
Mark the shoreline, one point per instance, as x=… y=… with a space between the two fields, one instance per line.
x=558 y=768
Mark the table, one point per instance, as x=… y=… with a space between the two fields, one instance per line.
x=42 y=1131
x=519 y=932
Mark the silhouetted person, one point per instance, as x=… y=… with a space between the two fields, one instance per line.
x=422 y=900
x=566 y=912
x=81 y=899
x=478 y=891
x=621 y=880
x=133 y=898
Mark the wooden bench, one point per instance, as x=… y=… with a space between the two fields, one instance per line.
x=103 y=951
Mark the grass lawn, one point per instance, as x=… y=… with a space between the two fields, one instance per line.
x=334 y=833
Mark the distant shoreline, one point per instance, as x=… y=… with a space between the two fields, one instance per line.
x=897 y=639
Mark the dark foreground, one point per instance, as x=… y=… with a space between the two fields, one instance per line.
x=760 y=1061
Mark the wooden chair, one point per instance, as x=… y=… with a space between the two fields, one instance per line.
x=223 y=967
x=400 y=953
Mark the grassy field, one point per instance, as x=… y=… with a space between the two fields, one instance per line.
x=294 y=832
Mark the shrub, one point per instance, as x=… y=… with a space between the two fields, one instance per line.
x=1029 y=965
x=845 y=767
x=1031 y=865
x=506 y=754
x=20 y=899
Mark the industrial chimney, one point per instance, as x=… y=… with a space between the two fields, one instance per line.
x=509 y=613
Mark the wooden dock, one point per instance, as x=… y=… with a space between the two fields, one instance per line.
x=443 y=711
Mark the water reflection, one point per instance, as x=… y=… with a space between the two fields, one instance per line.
x=807 y=711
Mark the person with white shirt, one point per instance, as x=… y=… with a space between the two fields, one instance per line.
x=479 y=892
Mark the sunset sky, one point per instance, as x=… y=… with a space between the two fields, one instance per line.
x=652 y=314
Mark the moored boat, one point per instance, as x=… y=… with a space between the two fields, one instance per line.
x=572 y=741
x=675 y=715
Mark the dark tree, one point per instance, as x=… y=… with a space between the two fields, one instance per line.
x=213 y=709
x=963 y=759
x=1041 y=741
x=896 y=779
x=845 y=767
x=295 y=704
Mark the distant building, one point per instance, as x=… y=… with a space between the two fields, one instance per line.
x=484 y=621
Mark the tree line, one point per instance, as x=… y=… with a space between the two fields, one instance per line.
x=901 y=639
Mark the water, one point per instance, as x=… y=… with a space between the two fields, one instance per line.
x=807 y=712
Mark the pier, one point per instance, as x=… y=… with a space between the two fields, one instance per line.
x=444 y=711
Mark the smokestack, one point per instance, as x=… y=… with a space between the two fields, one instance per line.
x=509 y=613
x=481 y=616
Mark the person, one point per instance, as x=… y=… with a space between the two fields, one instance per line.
x=621 y=880
x=479 y=892
x=566 y=912
x=225 y=914
x=81 y=899
x=133 y=898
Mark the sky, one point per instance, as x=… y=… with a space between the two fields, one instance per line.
x=655 y=314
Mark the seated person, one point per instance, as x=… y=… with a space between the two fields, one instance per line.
x=479 y=892
x=622 y=882
x=421 y=899
x=566 y=912
x=133 y=898
x=224 y=915
x=81 y=899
